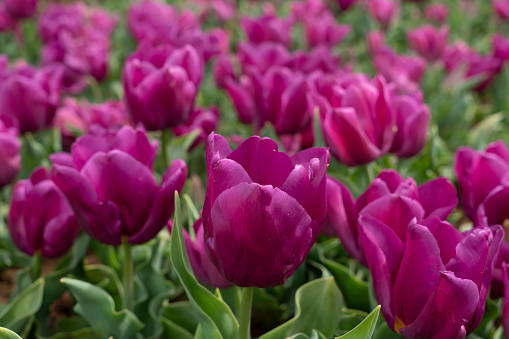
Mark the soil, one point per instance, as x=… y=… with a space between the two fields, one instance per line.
x=7 y=284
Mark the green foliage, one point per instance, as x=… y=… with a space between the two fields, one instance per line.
x=366 y=328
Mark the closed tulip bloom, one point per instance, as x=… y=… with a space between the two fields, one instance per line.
x=20 y=9
x=500 y=47
x=324 y=30
x=412 y=121
x=360 y=127
x=10 y=158
x=345 y=4
x=390 y=199
x=437 y=12
x=376 y=40
x=202 y=120
x=113 y=191
x=31 y=96
x=223 y=70
x=303 y=9
x=267 y=28
x=383 y=11
x=263 y=209
x=478 y=173
x=501 y=8
x=161 y=85
x=446 y=296
x=202 y=267
x=429 y=42
x=40 y=218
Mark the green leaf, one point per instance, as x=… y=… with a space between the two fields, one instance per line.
x=23 y=306
x=314 y=335
x=318 y=306
x=182 y=313
x=97 y=307
x=214 y=315
x=366 y=328
x=172 y=330
x=384 y=332
x=8 y=334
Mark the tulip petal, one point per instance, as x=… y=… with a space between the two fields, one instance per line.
x=438 y=198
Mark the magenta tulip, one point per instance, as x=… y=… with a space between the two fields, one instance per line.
x=383 y=11
x=263 y=209
x=20 y=9
x=437 y=12
x=202 y=120
x=429 y=42
x=10 y=158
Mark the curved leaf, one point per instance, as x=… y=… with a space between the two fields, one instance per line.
x=366 y=328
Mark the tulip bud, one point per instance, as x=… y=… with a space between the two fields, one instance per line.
x=40 y=218
x=267 y=28
x=437 y=12
x=345 y=4
x=383 y=11
x=428 y=41
x=263 y=209
x=20 y=9
x=324 y=30
x=500 y=47
x=10 y=158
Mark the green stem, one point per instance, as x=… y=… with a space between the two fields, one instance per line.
x=245 y=313
x=165 y=142
x=36 y=266
x=369 y=172
x=128 y=276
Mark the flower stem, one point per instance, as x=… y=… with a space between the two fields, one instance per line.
x=245 y=313
x=369 y=172
x=165 y=141
x=36 y=266
x=128 y=275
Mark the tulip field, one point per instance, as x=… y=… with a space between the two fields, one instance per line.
x=237 y=169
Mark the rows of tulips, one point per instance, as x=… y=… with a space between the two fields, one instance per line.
x=236 y=169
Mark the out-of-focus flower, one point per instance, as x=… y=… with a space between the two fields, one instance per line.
x=202 y=267
x=501 y=8
x=389 y=199
x=293 y=143
x=376 y=40
x=31 y=96
x=358 y=120
x=221 y=10
x=383 y=11
x=468 y=63
x=115 y=194
x=445 y=297
x=428 y=41
x=437 y=12
x=10 y=158
x=324 y=30
x=40 y=218
x=6 y=21
x=20 y=9
x=78 y=117
x=203 y=120
x=160 y=85
x=345 y=4
x=301 y=10
x=263 y=209
x=266 y=28
x=500 y=47
x=223 y=70
x=412 y=121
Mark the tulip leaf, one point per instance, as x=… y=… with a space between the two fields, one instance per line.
x=23 y=306
x=182 y=313
x=5 y=333
x=318 y=306
x=366 y=328
x=172 y=330
x=97 y=307
x=314 y=335
x=384 y=332
x=214 y=315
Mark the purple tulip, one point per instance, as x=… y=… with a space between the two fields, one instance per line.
x=345 y=4
x=223 y=70
x=31 y=96
x=412 y=121
x=160 y=85
x=390 y=199
x=202 y=267
x=376 y=40
x=383 y=11
x=263 y=209
x=445 y=297
x=324 y=30
x=429 y=42
x=478 y=173
x=437 y=12
x=40 y=218
x=301 y=10
x=500 y=47
x=7 y=23
x=501 y=8
x=112 y=190
x=81 y=117
x=20 y=9
x=359 y=126
x=10 y=158
x=463 y=58
x=268 y=27
x=202 y=120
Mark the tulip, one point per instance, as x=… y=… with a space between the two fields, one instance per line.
x=222 y=70
x=360 y=126
x=31 y=96
x=436 y=12
x=428 y=41
x=301 y=10
x=81 y=117
x=500 y=47
x=345 y=4
x=501 y=8
x=324 y=30
x=202 y=120
x=263 y=209
x=10 y=158
x=412 y=121
x=376 y=40
x=389 y=198
x=267 y=28
x=262 y=56
x=113 y=193
x=478 y=173
x=202 y=267
x=160 y=85
x=20 y=9
x=40 y=218
x=7 y=23
x=445 y=297
x=383 y=11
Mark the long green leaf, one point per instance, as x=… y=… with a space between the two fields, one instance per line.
x=365 y=329
x=25 y=305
